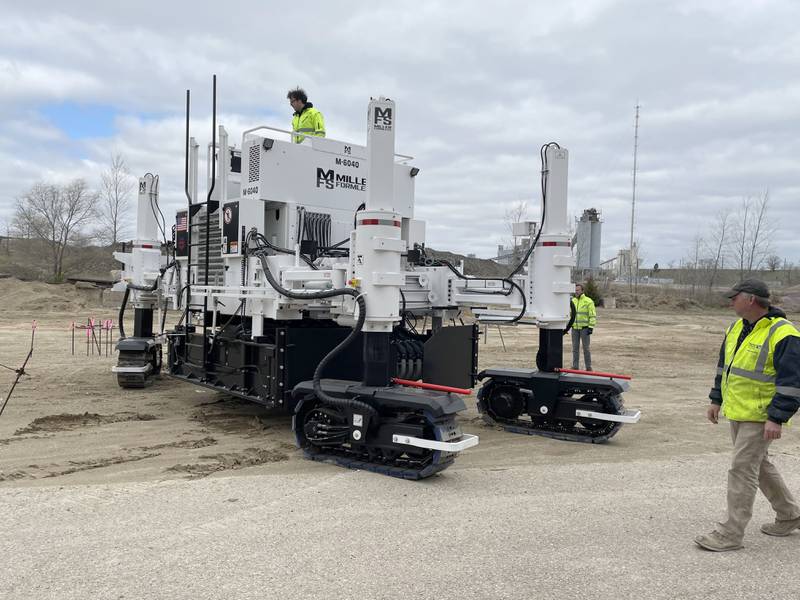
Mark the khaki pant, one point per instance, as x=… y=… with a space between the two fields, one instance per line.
x=750 y=471
x=581 y=336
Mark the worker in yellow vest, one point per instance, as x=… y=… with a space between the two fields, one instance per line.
x=757 y=387
x=582 y=327
x=306 y=120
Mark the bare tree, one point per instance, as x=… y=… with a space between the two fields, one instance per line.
x=773 y=262
x=516 y=214
x=55 y=214
x=752 y=235
x=116 y=188
x=788 y=267
x=7 y=237
x=694 y=263
x=739 y=245
x=717 y=244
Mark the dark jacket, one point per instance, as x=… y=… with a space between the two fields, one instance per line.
x=786 y=359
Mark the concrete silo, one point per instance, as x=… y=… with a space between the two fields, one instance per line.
x=588 y=236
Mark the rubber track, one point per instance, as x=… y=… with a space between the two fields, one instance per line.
x=529 y=428
x=344 y=459
x=133 y=380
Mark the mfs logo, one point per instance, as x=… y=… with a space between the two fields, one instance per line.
x=325 y=178
x=383 y=118
x=331 y=180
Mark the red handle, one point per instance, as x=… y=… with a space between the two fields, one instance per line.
x=596 y=373
x=431 y=386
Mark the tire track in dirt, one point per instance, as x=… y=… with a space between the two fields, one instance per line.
x=232 y=461
x=67 y=421
x=131 y=454
x=72 y=466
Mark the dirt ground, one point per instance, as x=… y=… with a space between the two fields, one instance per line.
x=69 y=423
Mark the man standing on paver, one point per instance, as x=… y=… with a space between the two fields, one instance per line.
x=582 y=327
x=306 y=119
x=758 y=389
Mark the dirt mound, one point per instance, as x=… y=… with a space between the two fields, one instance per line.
x=30 y=297
x=652 y=299
x=474 y=267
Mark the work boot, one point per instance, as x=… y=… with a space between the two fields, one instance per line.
x=716 y=542
x=781 y=528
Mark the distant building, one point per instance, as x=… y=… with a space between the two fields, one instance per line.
x=509 y=255
x=623 y=265
x=587 y=241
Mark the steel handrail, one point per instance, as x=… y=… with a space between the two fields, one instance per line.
x=247 y=132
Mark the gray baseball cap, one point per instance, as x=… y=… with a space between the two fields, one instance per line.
x=749 y=286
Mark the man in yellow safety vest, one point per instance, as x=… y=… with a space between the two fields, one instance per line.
x=306 y=119
x=757 y=387
x=582 y=327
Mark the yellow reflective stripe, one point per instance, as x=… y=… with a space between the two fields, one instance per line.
x=751 y=375
x=762 y=357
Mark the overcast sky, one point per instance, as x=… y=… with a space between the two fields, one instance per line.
x=479 y=86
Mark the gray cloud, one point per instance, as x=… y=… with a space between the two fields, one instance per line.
x=479 y=88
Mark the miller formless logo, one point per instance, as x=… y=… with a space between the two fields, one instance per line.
x=331 y=180
x=383 y=119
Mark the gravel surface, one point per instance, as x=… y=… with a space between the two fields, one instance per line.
x=179 y=492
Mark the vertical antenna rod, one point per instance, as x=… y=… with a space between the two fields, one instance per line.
x=208 y=214
x=631 y=271
x=186 y=167
x=188 y=232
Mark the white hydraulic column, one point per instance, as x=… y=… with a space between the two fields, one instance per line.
x=146 y=223
x=552 y=258
x=378 y=228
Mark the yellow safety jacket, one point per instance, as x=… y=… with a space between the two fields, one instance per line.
x=748 y=374
x=309 y=121
x=585 y=313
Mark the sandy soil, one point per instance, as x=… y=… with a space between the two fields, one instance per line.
x=69 y=423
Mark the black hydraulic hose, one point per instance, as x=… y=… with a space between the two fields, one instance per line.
x=152 y=288
x=545 y=174
x=337 y=244
x=121 y=317
x=506 y=292
x=164 y=315
x=303 y=295
x=185 y=308
x=361 y=207
x=520 y=266
x=271 y=246
x=143 y=288
x=156 y=210
x=572 y=315
x=345 y=403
